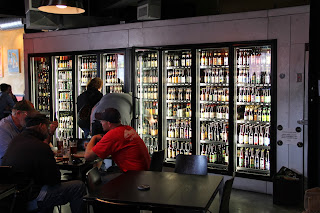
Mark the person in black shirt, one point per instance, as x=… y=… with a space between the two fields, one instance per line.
x=86 y=101
x=31 y=158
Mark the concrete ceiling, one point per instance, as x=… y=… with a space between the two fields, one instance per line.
x=108 y=12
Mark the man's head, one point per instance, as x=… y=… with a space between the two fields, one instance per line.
x=20 y=111
x=109 y=118
x=5 y=87
x=39 y=123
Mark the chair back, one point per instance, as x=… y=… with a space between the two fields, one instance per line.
x=191 y=164
x=156 y=163
x=224 y=203
x=93 y=179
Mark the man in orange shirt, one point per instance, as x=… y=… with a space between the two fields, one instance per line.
x=122 y=142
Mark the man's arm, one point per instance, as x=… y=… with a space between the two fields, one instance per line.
x=89 y=155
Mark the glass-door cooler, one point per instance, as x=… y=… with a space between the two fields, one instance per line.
x=213 y=105
x=147 y=97
x=64 y=93
x=41 y=84
x=113 y=72
x=177 y=112
x=253 y=91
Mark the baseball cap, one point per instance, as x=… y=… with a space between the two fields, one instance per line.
x=24 y=105
x=110 y=114
x=36 y=119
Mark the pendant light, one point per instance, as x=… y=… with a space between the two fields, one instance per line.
x=62 y=6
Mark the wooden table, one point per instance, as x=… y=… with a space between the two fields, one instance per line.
x=167 y=190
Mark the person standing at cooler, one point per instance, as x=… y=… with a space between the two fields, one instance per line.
x=122 y=142
x=86 y=101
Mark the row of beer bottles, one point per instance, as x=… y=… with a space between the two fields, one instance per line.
x=255 y=56
x=180 y=110
x=89 y=62
x=148 y=76
x=178 y=59
x=114 y=89
x=148 y=92
x=214 y=131
x=217 y=154
x=65 y=62
x=43 y=104
x=254 y=134
x=214 y=111
x=148 y=60
x=65 y=133
x=65 y=75
x=214 y=58
x=257 y=113
x=259 y=77
x=175 y=148
x=179 y=93
x=210 y=93
x=179 y=129
x=254 y=95
x=111 y=62
x=86 y=76
x=65 y=105
x=66 y=122
x=112 y=77
x=215 y=76
x=253 y=158
x=151 y=108
x=148 y=128
x=151 y=144
x=43 y=77
x=43 y=89
x=177 y=76
x=65 y=85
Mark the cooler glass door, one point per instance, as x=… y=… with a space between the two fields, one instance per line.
x=147 y=87
x=253 y=109
x=177 y=103
x=214 y=106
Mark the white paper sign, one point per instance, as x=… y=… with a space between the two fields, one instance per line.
x=289 y=136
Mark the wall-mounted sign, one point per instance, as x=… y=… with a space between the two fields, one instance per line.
x=289 y=136
x=13 y=61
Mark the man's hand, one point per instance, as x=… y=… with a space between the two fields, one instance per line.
x=53 y=127
x=89 y=155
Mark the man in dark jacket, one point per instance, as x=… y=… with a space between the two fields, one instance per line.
x=86 y=101
x=33 y=159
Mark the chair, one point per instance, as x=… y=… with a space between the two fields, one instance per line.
x=191 y=164
x=224 y=202
x=93 y=179
x=156 y=163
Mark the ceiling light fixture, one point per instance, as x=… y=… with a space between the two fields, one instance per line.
x=62 y=6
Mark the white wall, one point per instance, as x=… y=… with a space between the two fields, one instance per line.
x=290 y=26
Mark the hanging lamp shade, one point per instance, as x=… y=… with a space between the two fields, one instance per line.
x=62 y=6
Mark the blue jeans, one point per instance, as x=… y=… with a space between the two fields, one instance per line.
x=60 y=194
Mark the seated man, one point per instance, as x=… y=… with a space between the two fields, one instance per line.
x=122 y=142
x=31 y=158
x=12 y=125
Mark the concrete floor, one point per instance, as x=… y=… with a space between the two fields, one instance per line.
x=242 y=202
